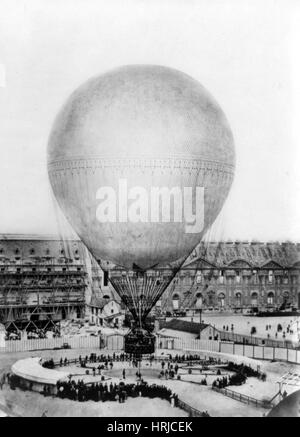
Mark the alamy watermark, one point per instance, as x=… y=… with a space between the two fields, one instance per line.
x=155 y=205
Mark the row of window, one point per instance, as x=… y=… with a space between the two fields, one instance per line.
x=34 y=269
x=188 y=280
x=32 y=251
x=237 y=299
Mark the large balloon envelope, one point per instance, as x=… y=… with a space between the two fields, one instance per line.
x=123 y=138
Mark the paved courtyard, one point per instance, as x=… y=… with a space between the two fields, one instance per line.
x=188 y=389
x=243 y=324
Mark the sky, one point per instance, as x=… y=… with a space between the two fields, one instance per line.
x=245 y=52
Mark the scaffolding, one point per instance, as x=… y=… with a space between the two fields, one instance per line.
x=35 y=297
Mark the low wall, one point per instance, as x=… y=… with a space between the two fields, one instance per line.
x=250 y=351
x=115 y=342
x=31 y=375
x=52 y=343
x=111 y=341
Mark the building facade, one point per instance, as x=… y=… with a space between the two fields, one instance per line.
x=105 y=312
x=237 y=276
x=42 y=280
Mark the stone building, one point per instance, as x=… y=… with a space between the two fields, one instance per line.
x=187 y=330
x=105 y=312
x=236 y=276
x=42 y=280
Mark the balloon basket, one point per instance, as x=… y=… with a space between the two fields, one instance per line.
x=139 y=342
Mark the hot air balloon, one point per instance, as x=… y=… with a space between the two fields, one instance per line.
x=141 y=160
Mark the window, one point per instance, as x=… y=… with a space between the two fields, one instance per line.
x=221 y=300
x=199 y=300
x=221 y=277
x=175 y=301
x=270 y=298
x=210 y=299
x=105 y=279
x=199 y=278
x=254 y=299
x=286 y=297
x=31 y=251
x=270 y=277
x=238 y=299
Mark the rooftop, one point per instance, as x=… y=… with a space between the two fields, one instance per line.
x=38 y=237
x=184 y=326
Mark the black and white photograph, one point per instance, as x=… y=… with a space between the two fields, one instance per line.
x=149 y=211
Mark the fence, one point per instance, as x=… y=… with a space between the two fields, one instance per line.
x=244 y=398
x=193 y=412
x=185 y=344
x=250 y=351
x=113 y=342
x=256 y=341
x=53 y=343
x=261 y=352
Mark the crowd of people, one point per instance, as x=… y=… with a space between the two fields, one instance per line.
x=239 y=377
x=108 y=360
x=101 y=392
x=246 y=370
x=225 y=381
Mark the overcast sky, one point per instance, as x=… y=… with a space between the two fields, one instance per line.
x=244 y=52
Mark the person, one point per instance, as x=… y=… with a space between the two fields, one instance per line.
x=2 y=381
x=172 y=401
x=124 y=374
